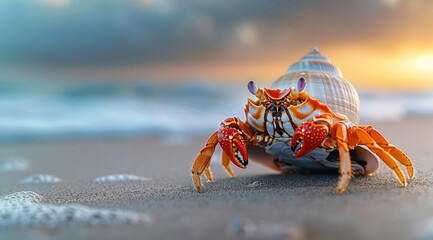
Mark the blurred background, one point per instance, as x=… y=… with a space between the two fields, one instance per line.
x=90 y=88
x=104 y=68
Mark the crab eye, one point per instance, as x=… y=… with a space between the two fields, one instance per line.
x=252 y=87
x=301 y=84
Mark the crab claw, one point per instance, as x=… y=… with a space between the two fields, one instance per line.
x=312 y=134
x=233 y=144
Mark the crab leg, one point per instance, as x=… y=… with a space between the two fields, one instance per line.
x=202 y=161
x=391 y=149
x=367 y=140
x=225 y=161
x=208 y=173
x=345 y=163
x=313 y=133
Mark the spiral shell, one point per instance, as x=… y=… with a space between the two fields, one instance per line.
x=325 y=82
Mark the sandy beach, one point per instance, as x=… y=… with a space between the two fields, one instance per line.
x=257 y=204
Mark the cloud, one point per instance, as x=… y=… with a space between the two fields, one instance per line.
x=247 y=33
x=103 y=33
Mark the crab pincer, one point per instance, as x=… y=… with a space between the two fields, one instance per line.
x=233 y=145
x=234 y=149
x=311 y=133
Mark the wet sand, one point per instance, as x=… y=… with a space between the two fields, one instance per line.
x=257 y=204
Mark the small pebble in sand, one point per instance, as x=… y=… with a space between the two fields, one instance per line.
x=40 y=179
x=254 y=184
x=119 y=178
x=24 y=209
x=14 y=164
x=251 y=229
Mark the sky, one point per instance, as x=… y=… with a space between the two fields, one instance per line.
x=377 y=44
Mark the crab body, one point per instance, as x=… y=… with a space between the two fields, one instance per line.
x=290 y=118
x=275 y=116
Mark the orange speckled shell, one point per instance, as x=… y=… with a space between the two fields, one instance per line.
x=325 y=82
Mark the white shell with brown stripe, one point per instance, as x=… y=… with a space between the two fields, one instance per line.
x=325 y=83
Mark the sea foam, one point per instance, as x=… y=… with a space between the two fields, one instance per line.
x=24 y=209
x=40 y=179
x=119 y=178
x=14 y=164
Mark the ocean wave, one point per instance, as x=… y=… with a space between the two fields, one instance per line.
x=64 y=110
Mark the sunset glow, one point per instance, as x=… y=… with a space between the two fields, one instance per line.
x=368 y=70
x=377 y=44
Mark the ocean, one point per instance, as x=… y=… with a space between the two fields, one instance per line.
x=38 y=110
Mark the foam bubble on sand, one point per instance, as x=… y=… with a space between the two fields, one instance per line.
x=23 y=209
x=119 y=178
x=14 y=164
x=40 y=179
x=251 y=229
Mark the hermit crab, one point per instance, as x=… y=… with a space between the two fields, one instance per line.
x=289 y=130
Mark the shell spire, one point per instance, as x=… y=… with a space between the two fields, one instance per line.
x=315 y=61
x=315 y=54
x=325 y=83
